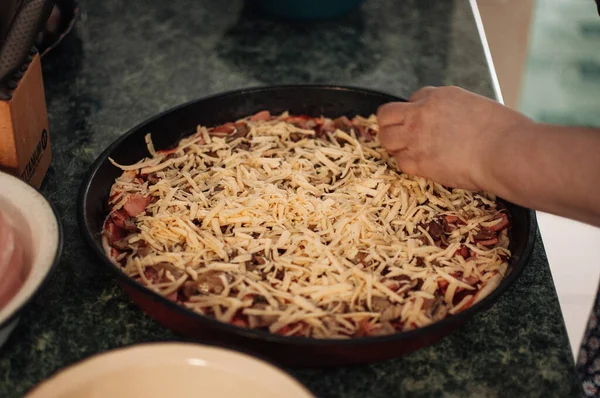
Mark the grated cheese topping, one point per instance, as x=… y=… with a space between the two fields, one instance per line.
x=303 y=226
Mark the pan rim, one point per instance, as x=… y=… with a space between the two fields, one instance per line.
x=461 y=317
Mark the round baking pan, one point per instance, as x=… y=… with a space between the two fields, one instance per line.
x=331 y=101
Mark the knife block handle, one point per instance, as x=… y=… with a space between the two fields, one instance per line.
x=24 y=135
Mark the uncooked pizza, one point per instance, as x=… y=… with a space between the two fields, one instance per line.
x=303 y=226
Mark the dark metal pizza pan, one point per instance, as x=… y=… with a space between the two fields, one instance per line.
x=331 y=101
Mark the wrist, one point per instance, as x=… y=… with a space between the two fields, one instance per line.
x=503 y=153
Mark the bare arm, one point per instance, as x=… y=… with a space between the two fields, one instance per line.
x=550 y=168
x=463 y=140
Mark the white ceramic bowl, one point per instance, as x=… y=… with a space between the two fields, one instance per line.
x=171 y=370
x=38 y=226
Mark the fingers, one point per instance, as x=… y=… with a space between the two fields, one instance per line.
x=392 y=113
x=395 y=112
x=398 y=124
x=392 y=117
x=393 y=138
x=422 y=94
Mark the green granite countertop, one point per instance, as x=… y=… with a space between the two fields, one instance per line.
x=128 y=60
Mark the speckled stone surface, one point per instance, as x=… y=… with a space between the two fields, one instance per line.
x=128 y=60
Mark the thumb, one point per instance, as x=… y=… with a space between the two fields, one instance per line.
x=406 y=163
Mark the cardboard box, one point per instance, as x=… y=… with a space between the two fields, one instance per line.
x=24 y=135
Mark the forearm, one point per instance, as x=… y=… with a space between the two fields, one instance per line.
x=550 y=168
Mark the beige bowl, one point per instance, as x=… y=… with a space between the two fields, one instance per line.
x=35 y=222
x=171 y=370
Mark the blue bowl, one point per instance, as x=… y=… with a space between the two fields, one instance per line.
x=305 y=10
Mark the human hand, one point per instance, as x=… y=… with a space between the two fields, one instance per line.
x=447 y=134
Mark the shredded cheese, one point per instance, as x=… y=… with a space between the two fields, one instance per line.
x=279 y=225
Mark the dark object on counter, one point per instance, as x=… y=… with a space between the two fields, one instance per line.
x=8 y=9
x=305 y=10
x=167 y=128
x=24 y=27
x=59 y=24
